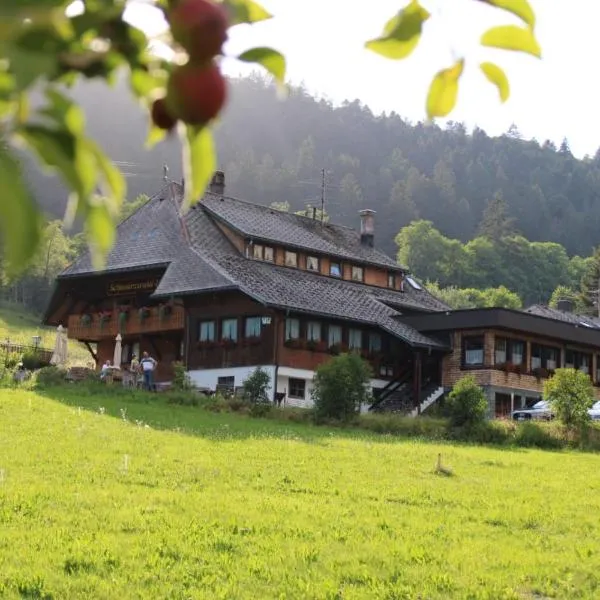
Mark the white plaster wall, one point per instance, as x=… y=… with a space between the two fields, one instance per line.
x=208 y=378
x=284 y=374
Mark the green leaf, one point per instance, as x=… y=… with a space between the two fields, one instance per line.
x=155 y=136
x=64 y=111
x=100 y=230
x=272 y=60
x=245 y=11
x=27 y=66
x=443 y=91
x=511 y=37
x=20 y=221
x=112 y=181
x=60 y=150
x=519 y=8
x=199 y=161
x=498 y=77
x=401 y=33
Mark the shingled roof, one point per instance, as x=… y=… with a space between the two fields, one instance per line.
x=199 y=258
x=152 y=236
x=560 y=315
x=270 y=225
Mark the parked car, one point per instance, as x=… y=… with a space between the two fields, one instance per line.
x=594 y=412
x=539 y=411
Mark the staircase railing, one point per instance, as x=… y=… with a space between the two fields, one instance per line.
x=392 y=387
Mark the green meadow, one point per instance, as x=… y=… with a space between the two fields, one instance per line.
x=125 y=496
x=20 y=326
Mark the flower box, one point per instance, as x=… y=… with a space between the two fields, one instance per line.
x=296 y=344
x=143 y=313
x=252 y=341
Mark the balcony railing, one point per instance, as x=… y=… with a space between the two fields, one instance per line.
x=99 y=326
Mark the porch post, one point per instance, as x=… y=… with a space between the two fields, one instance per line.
x=417 y=381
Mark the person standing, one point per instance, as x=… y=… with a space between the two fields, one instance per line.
x=148 y=365
x=134 y=369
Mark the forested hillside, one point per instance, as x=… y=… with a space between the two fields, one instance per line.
x=273 y=151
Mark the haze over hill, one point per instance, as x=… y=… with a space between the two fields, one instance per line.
x=273 y=151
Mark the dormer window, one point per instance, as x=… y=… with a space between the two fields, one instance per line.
x=392 y=280
x=269 y=255
x=257 y=251
x=312 y=263
x=335 y=269
x=358 y=274
x=291 y=259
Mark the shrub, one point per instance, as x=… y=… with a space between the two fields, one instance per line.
x=341 y=387
x=181 y=379
x=570 y=393
x=33 y=360
x=256 y=386
x=182 y=399
x=534 y=435
x=50 y=376
x=9 y=360
x=260 y=409
x=467 y=404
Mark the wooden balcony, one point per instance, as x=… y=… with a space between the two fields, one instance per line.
x=80 y=328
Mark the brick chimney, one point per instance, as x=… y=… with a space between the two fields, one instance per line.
x=565 y=305
x=217 y=184
x=367 y=227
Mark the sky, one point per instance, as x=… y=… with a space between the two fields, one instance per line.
x=323 y=41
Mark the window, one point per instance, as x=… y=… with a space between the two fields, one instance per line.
x=253 y=325
x=312 y=263
x=257 y=251
x=517 y=352
x=355 y=339
x=334 y=335
x=509 y=351
x=229 y=330
x=313 y=331
x=358 y=274
x=577 y=360
x=374 y=342
x=207 y=331
x=291 y=259
x=297 y=388
x=225 y=383
x=269 y=254
x=413 y=283
x=473 y=351
x=500 y=353
x=392 y=280
x=292 y=329
x=544 y=357
x=335 y=269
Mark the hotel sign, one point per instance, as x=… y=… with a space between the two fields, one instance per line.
x=121 y=288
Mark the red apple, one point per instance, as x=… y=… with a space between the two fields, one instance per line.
x=196 y=94
x=161 y=116
x=200 y=26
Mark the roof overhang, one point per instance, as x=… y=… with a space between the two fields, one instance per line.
x=506 y=319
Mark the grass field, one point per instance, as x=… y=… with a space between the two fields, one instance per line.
x=126 y=497
x=20 y=326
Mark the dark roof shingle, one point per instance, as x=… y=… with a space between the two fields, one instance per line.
x=264 y=223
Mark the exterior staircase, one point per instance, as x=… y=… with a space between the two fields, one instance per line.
x=398 y=397
x=433 y=397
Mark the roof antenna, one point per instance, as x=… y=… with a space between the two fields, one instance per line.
x=322 y=195
x=165 y=172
